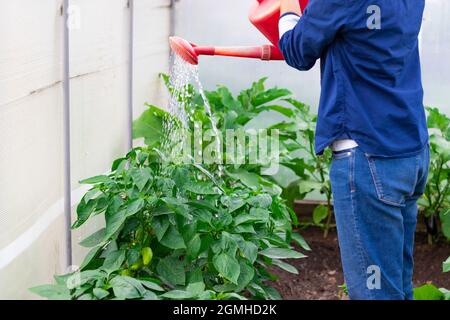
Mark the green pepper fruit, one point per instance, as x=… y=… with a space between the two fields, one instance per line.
x=147 y=255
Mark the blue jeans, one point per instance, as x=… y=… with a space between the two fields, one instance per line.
x=375 y=204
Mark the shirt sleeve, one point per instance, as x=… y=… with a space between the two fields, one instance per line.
x=288 y=21
x=314 y=31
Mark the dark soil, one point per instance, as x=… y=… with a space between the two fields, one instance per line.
x=320 y=274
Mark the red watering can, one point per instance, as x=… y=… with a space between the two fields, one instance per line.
x=264 y=15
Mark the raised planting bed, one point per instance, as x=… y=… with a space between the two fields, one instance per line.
x=320 y=275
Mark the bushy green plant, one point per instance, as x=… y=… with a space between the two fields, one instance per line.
x=435 y=204
x=176 y=231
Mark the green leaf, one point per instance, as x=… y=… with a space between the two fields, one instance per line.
x=300 y=106
x=52 y=292
x=246 y=275
x=114 y=261
x=306 y=186
x=150 y=126
x=280 y=109
x=160 y=225
x=193 y=247
x=141 y=176
x=319 y=214
x=172 y=270
x=269 y=95
x=281 y=253
x=114 y=221
x=438 y=120
x=272 y=293
x=119 y=164
x=151 y=284
x=263 y=200
x=127 y=287
x=285 y=266
x=445 y=222
x=202 y=205
x=232 y=203
x=446 y=293
x=150 y=295
x=133 y=255
x=428 y=292
x=249 y=179
x=195 y=288
x=79 y=279
x=249 y=250
x=234 y=296
x=227 y=266
x=446 y=265
x=255 y=215
x=84 y=211
x=100 y=293
x=178 y=295
x=301 y=241
x=227 y=99
x=244 y=228
x=202 y=188
x=96 y=179
x=135 y=206
x=94 y=239
x=298 y=165
x=173 y=239
x=89 y=257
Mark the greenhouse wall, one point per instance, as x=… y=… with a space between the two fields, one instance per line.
x=31 y=117
x=227 y=24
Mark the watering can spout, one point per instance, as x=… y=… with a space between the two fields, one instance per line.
x=264 y=15
x=190 y=52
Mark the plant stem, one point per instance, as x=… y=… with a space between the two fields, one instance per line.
x=330 y=214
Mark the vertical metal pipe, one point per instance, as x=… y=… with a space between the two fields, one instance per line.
x=66 y=129
x=172 y=18
x=130 y=76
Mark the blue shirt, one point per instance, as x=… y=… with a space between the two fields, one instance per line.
x=370 y=72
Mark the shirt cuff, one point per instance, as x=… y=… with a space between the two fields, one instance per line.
x=287 y=22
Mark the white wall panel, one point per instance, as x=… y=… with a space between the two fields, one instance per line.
x=30 y=113
x=99 y=70
x=36 y=265
x=32 y=244
x=435 y=50
x=151 y=52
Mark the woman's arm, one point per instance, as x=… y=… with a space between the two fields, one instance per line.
x=304 y=39
x=290 y=6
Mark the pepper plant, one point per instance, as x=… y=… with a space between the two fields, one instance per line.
x=435 y=204
x=175 y=231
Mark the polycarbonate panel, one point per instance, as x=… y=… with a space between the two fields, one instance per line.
x=99 y=94
x=151 y=52
x=36 y=265
x=435 y=50
x=32 y=245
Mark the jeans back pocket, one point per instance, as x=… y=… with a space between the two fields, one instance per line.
x=395 y=179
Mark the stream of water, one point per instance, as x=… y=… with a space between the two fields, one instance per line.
x=184 y=80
